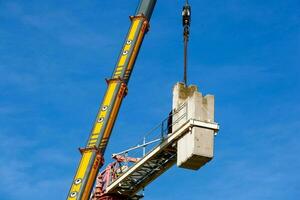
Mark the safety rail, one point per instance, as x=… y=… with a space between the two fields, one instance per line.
x=156 y=135
x=154 y=163
x=126 y=159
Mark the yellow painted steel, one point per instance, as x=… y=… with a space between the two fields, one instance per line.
x=102 y=114
x=80 y=174
x=93 y=174
x=136 y=48
x=87 y=155
x=113 y=115
x=91 y=157
x=128 y=45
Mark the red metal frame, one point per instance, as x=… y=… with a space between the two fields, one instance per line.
x=107 y=176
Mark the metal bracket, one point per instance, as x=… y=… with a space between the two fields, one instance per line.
x=124 y=88
x=94 y=148
x=115 y=79
x=146 y=22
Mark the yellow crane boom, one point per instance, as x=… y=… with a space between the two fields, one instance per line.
x=92 y=154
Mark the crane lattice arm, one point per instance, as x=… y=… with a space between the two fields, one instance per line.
x=92 y=154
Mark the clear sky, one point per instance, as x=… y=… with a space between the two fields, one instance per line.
x=55 y=54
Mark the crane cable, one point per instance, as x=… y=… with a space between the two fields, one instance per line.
x=186 y=21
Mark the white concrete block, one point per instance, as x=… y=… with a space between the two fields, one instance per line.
x=195 y=149
x=181 y=94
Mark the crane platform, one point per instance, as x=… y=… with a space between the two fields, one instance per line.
x=186 y=136
x=155 y=162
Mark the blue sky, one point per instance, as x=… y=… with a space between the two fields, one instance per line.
x=54 y=56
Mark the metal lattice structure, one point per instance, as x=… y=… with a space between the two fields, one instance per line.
x=154 y=163
x=157 y=161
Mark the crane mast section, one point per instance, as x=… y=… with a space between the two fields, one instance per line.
x=92 y=154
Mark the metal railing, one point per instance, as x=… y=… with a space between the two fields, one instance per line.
x=129 y=157
x=157 y=134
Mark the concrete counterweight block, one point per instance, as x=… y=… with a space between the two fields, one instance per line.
x=180 y=105
x=196 y=147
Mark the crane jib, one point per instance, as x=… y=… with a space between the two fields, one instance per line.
x=92 y=154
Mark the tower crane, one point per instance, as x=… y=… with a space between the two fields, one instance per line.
x=185 y=136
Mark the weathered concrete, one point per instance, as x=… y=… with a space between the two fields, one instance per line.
x=196 y=147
